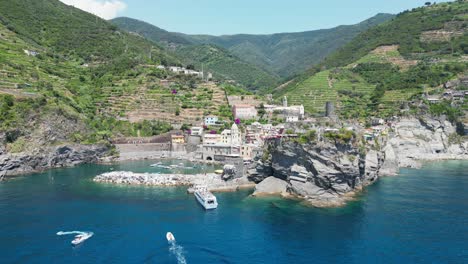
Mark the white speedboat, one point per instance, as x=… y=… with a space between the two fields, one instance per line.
x=81 y=238
x=205 y=197
x=170 y=237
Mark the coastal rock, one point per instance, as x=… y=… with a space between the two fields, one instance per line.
x=372 y=166
x=390 y=163
x=270 y=186
x=229 y=172
x=321 y=174
x=416 y=140
x=52 y=157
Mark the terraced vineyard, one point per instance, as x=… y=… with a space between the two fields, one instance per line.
x=136 y=102
x=327 y=86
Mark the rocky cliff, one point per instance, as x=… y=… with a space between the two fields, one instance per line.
x=326 y=174
x=49 y=157
x=414 y=141
x=323 y=174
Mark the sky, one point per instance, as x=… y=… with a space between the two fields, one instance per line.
x=225 y=17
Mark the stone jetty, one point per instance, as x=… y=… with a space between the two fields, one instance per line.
x=213 y=181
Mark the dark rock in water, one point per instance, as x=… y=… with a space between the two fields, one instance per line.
x=52 y=157
x=323 y=174
x=229 y=172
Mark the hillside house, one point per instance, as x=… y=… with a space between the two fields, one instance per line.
x=211 y=120
x=196 y=131
x=177 y=139
x=212 y=139
x=292 y=119
x=433 y=99
x=244 y=112
x=31 y=53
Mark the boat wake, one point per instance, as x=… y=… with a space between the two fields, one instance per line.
x=64 y=233
x=177 y=251
x=79 y=238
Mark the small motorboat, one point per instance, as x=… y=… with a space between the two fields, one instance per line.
x=81 y=238
x=170 y=237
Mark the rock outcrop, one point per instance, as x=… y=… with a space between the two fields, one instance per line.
x=51 y=157
x=416 y=140
x=271 y=186
x=325 y=175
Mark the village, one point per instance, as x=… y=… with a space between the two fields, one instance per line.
x=239 y=138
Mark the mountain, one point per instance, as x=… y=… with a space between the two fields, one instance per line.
x=220 y=61
x=390 y=65
x=283 y=54
x=288 y=54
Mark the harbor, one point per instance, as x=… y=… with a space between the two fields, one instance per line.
x=212 y=181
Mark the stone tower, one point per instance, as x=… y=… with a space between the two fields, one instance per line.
x=285 y=101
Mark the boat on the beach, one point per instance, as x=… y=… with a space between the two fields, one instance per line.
x=205 y=197
x=81 y=238
x=170 y=237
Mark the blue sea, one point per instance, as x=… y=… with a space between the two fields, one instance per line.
x=420 y=216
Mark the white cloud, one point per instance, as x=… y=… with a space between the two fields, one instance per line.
x=106 y=9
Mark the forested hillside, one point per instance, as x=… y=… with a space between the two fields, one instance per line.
x=216 y=59
x=288 y=54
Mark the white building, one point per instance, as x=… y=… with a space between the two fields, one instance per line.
x=161 y=67
x=244 y=112
x=286 y=111
x=196 y=131
x=211 y=120
x=292 y=119
x=212 y=139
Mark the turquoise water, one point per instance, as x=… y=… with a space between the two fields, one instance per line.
x=418 y=217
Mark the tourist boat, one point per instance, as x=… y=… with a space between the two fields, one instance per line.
x=81 y=238
x=205 y=197
x=170 y=237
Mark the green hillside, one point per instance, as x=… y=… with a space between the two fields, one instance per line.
x=83 y=78
x=225 y=66
x=289 y=54
x=70 y=31
x=385 y=66
x=221 y=62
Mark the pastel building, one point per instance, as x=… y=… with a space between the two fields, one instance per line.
x=212 y=139
x=177 y=139
x=244 y=112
